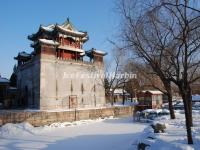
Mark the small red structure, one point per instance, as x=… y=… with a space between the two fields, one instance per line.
x=149 y=99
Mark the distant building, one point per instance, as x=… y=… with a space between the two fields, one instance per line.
x=8 y=94
x=4 y=85
x=150 y=99
x=119 y=94
x=195 y=87
x=55 y=75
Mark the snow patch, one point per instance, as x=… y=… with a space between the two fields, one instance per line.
x=26 y=128
x=10 y=129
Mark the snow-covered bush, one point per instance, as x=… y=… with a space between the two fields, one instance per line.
x=150 y=114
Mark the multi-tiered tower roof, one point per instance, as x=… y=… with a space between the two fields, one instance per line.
x=61 y=40
x=67 y=40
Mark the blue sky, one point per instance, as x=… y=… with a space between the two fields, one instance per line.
x=20 y=18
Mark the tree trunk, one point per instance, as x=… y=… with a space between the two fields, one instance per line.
x=123 y=102
x=111 y=98
x=131 y=97
x=123 y=99
x=171 y=107
x=167 y=85
x=187 y=120
x=189 y=101
x=188 y=115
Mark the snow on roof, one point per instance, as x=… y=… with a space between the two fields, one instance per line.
x=71 y=48
x=195 y=97
x=49 y=28
x=153 y=92
x=51 y=42
x=69 y=25
x=68 y=36
x=71 y=31
x=85 y=38
x=66 y=27
x=90 y=52
x=24 y=54
x=82 y=54
x=4 y=80
x=119 y=91
x=100 y=52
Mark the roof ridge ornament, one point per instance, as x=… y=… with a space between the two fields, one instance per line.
x=68 y=25
x=66 y=22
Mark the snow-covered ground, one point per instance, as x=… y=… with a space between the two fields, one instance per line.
x=107 y=134
x=175 y=136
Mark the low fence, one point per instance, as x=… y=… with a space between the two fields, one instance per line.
x=40 y=118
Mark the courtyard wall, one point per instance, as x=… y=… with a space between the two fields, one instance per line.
x=39 y=118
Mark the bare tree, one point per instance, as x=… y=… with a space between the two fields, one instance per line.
x=146 y=78
x=133 y=85
x=165 y=35
x=140 y=34
x=112 y=80
x=184 y=51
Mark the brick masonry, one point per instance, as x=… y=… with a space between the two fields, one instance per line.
x=44 y=118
